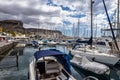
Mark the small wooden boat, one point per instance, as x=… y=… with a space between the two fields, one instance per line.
x=50 y=65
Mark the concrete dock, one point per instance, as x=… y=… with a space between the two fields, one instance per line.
x=5 y=46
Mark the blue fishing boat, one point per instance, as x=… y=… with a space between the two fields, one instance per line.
x=50 y=65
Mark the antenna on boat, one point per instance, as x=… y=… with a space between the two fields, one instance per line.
x=110 y=26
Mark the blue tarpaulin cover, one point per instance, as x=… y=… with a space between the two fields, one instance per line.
x=63 y=58
x=50 y=52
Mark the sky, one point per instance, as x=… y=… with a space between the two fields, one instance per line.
x=59 y=14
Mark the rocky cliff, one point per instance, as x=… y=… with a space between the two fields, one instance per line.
x=12 y=25
x=17 y=26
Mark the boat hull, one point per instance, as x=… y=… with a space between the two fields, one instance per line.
x=85 y=73
x=107 y=60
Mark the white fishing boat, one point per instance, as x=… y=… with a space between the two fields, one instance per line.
x=50 y=65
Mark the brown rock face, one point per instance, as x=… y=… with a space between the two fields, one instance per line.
x=17 y=26
x=12 y=25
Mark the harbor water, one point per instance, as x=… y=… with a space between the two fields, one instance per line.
x=10 y=70
x=14 y=65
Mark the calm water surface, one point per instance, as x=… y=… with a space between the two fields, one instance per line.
x=10 y=71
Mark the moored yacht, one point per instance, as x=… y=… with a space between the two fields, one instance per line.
x=50 y=65
x=90 y=68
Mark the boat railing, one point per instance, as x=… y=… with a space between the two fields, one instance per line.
x=72 y=78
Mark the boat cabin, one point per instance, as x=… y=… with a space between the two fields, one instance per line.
x=47 y=68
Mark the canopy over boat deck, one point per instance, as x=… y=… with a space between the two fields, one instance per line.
x=63 y=58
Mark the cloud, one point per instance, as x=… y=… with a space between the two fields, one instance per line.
x=53 y=13
x=29 y=11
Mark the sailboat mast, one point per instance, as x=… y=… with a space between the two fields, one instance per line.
x=96 y=32
x=73 y=31
x=110 y=26
x=91 y=19
x=37 y=31
x=118 y=35
x=78 y=28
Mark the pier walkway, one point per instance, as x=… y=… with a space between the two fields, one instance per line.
x=2 y=43
x=5 y=46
